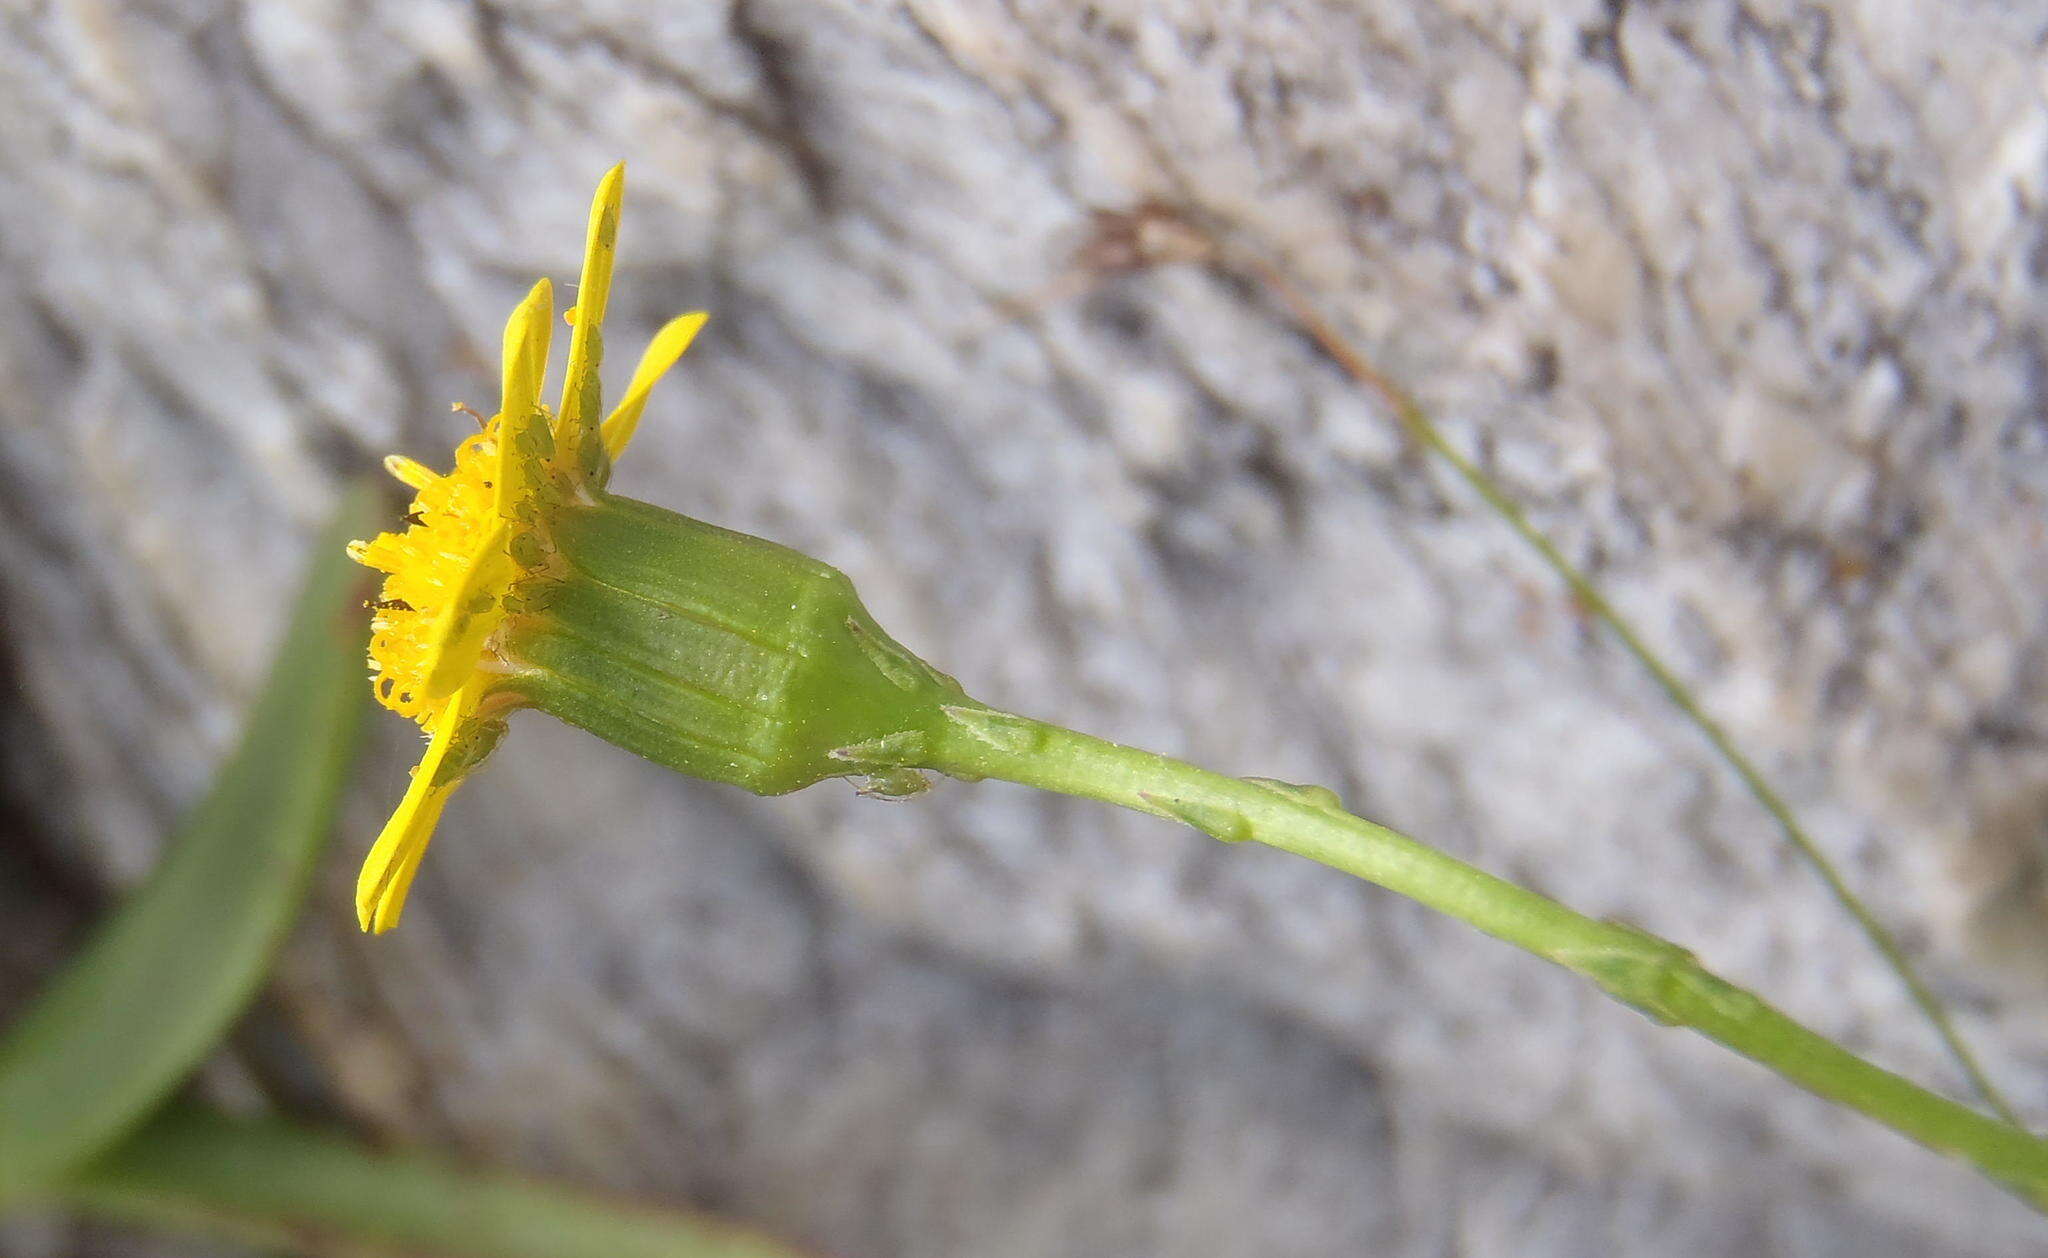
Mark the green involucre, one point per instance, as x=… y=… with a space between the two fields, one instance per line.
x=717 y=654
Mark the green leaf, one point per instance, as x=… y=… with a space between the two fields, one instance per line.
x=266 y=1183
x=159 y=983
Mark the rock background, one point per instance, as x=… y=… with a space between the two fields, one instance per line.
x=1746 y=301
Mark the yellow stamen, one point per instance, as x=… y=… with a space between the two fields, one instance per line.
x=415 y=474
x=446 y=574
x=469 y=616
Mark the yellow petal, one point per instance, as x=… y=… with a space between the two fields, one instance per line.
x=662 y=352
x=526 y=365
x=459 y=633
x=395 y=857
x=580 y=395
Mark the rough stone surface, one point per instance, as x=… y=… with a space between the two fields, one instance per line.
x=1745 y=301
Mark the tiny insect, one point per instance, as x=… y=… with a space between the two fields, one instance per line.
x=415 y=518
x=387 y=605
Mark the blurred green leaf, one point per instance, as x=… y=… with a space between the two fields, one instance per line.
x=266 y=1183
x=158 y=985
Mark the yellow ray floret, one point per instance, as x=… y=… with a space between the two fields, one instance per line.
x=662 y=352
x=523 y=439
x=395 y=857
x=580 y=399
x=479 y=532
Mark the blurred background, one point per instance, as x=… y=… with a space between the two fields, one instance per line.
x=1743 y=301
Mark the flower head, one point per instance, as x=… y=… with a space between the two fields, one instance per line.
x=479 y=549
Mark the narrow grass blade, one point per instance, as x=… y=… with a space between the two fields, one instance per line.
x=268 y=1183
x=1415 y=421
x=157 y=986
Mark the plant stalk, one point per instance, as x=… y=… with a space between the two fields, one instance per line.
x=1657 y=977
x=1416 y=423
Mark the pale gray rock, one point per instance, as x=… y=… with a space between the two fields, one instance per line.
x=1745 y=301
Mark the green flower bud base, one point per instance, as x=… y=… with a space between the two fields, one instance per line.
x=720 y=655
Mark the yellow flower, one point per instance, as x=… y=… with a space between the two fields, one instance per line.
x=478 y=549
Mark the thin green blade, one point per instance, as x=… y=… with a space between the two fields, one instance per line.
x=162 y=978
x=266 y=1183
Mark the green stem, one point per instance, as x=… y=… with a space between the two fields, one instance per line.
x=1420 y=428
x=1655 y=976
x=1590 y=597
